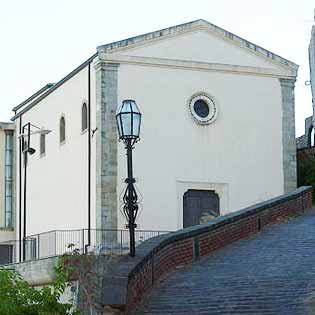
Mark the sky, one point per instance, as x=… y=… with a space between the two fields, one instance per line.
x=41 y=41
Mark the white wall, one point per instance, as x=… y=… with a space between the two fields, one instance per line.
x=203 y=46
x=57 y=181
x=241 y=151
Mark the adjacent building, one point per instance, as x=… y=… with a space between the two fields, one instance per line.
x=312 y=64
x=7 y=202
x=217 y=134
x=7 y=189
x=308 y=139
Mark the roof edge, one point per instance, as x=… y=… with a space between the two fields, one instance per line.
x=37 y=93
x=190 y=26
x=55 y=86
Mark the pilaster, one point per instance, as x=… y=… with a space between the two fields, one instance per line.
x=288 y=134
x=106 y=145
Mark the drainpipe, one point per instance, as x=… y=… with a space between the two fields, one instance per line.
x=20 y=190
x=89 y=157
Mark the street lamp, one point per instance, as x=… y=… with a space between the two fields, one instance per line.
x=27 y=131
x=128 y=118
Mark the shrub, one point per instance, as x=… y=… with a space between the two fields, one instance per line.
x=19 y=298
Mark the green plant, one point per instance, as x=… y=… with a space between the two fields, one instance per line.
x=19 y=298
x=88 y=271
x=73 y=265
x=306 y=171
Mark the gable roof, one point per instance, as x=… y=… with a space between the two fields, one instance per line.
x=141 y=39
x=186 y=27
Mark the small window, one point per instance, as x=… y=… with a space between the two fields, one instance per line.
x=84 y=117
x=203 y=109
x=42 y=144
x=62 y=129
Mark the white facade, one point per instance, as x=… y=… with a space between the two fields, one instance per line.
x=57 y=180
x=176 y=154
x=245 y=155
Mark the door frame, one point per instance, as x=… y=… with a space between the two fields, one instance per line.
x=219 y=188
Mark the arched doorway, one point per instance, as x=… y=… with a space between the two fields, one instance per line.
x=200 y=206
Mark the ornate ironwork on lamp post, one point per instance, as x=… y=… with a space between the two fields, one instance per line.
x=128 y=118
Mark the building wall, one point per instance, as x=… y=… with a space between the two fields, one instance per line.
x=305 y=140
x=2 y=176
x=6 y=232
x=57 y=181
x=239 y=155
x=312 y=63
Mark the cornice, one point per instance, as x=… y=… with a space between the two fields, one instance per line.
x=101 y=64
x=195 y=65
x=7 y=126
x=287 y=82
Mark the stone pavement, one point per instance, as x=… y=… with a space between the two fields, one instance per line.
x=272 y=272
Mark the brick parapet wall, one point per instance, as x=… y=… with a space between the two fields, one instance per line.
x=133 y=277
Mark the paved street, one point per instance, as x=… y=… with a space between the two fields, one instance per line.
x=272 y=272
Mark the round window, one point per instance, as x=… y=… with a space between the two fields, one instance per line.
x=203 y=109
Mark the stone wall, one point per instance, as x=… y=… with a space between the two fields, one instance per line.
x=288 y=134
x=132 y=277
x=106 y=145
x=37 y=272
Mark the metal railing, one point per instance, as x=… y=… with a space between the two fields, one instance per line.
x=58 y=242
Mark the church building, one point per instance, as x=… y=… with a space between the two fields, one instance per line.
x=217 y=133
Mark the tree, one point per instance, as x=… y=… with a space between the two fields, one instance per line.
x=19 y=298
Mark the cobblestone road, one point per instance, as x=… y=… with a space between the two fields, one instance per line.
x=272 y=272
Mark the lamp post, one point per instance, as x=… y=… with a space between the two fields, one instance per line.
x=27 y=149
x=128 y=118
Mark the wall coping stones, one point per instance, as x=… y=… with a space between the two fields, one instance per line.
x=115 y=284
